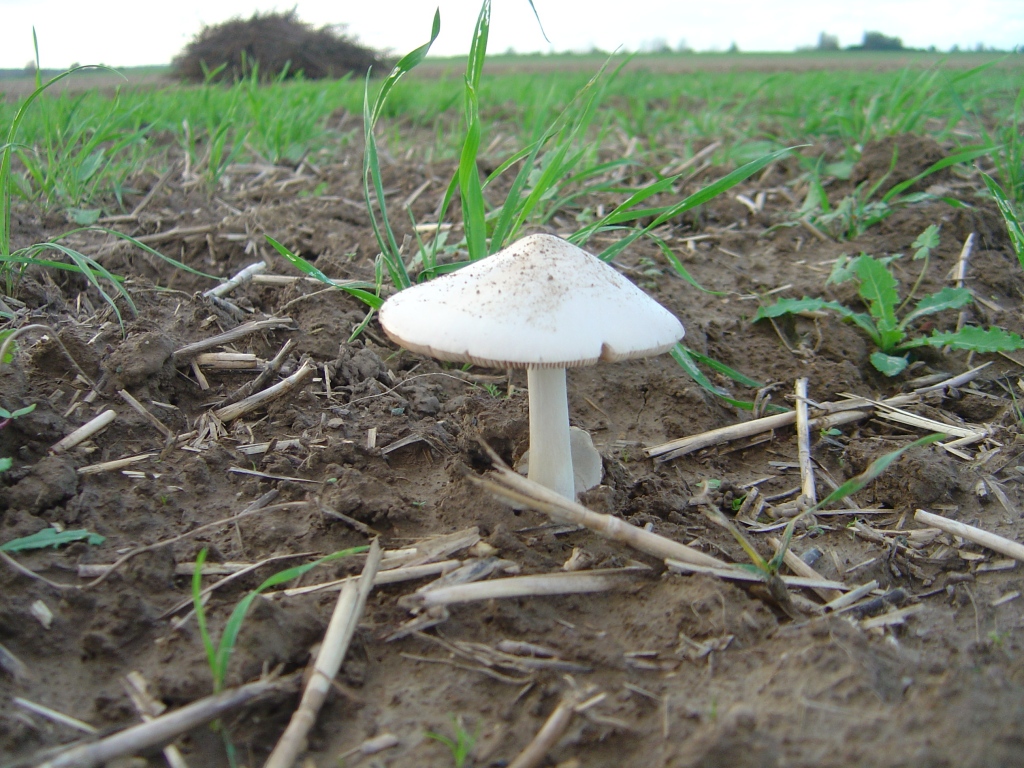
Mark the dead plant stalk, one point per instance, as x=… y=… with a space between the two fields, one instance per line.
x=347 y=611
x=512 y=486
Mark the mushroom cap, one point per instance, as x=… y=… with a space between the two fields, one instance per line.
x=539 y=303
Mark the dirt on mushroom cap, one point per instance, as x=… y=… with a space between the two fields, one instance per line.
x=542 y=303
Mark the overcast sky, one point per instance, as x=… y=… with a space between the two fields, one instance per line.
x=134 y=32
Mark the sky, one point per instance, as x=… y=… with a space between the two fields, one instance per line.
x=133 y=33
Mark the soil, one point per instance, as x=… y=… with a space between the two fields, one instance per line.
x=690 y=670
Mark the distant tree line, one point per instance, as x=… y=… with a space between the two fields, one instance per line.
x=876 y=41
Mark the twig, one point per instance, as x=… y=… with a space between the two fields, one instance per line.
x=237 y=279
x=256 y=326
x=844 y=601
x=176 y=232
x=227 y=361
x=12 y=665
x=144 y=412
x=892 y=617
x=837 y=413
x=233 y=411
x=251 y=449
x=236 y=574
x=736 y=574
x=511 y=485
x=55 y=716
x=803 y=444
x=109 y=466
x=800 y=568
x=370 y=746
x=19 y=568
x=886 y=411
x=347 y=611
x=548 y=735
x=682 y=446
x=992 y=541
x=390 y=576
x=269 y=476
x=148 y=707
x=260 y=381
x=561 y=583
x=163 y=729
x=84 y=432
x=806 y=224
x=960 y=273
x=675 y=169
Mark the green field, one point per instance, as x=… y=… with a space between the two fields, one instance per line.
x=76 y=147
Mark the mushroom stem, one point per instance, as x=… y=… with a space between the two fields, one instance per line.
x=550 y=454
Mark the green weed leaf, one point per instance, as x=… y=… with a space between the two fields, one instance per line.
x=49 y=537
x=795 y=306
x=17 y=413
x=926 y=242
x=841 y=271
x=972 y=338
x=84 y=217
x=890 y=365
x=947 y=298
x=878 y=289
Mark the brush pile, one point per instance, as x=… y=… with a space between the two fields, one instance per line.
x=273 y=45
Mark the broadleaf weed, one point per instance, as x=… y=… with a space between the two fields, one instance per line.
x=877 y=287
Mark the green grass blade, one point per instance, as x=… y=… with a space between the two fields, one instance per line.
x=197 y=604
x=89 y=268
x=233 y=626
x=686 y=358
x=965 y=155
x=725 y=370
x=683 y=355
x=474 y=214
x=5 y=153
x=698 y=198
x=1013 y=222
x=372 y=180
x=370 y=299
x=677 y=265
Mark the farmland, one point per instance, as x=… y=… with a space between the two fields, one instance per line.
x=120 y=177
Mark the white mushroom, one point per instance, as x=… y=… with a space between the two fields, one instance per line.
x=541 y=304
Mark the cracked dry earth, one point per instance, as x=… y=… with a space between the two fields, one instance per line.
x=694 y=670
